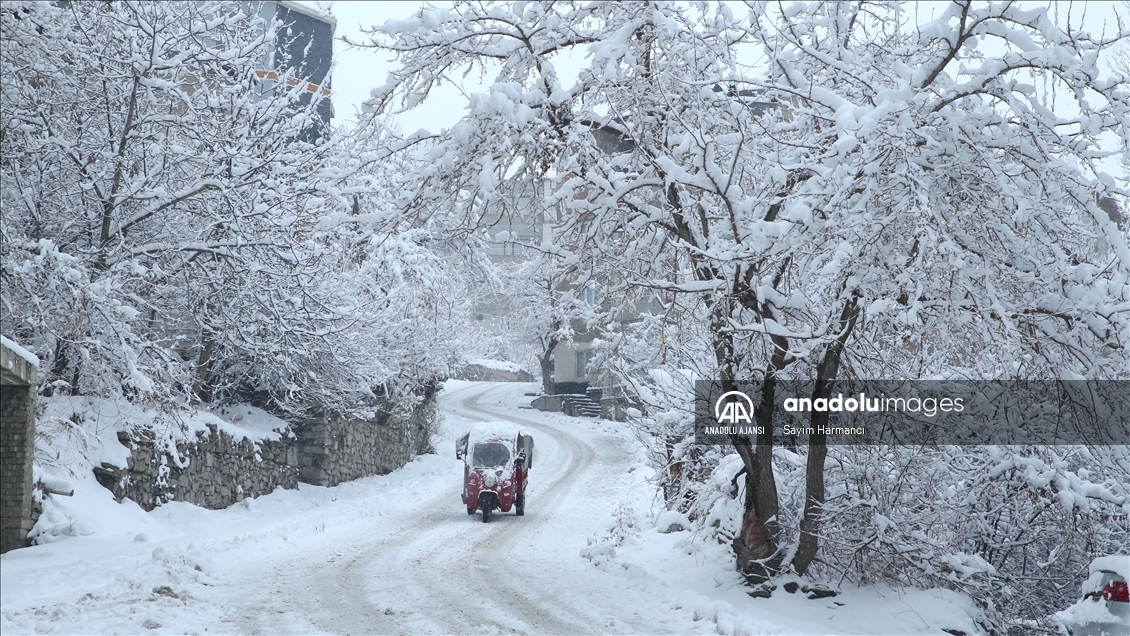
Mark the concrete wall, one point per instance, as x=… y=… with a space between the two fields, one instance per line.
x=305 y=44
x=17 y=447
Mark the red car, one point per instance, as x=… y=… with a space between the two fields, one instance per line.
x=1105 y=608
x=496 y=463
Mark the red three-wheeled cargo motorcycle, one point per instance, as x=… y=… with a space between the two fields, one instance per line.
x=496 y=463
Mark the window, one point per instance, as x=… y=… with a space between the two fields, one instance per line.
x=589 y=296
x=583 y=360
x=491 y=455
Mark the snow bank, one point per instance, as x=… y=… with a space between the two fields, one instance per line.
x=79 y=435
x=695 y=573
x=79 y=432
x=671 y=521
x=103 y=418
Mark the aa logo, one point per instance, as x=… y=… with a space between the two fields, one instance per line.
x=733 y=407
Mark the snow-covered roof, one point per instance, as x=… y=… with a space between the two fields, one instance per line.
x=487 y=431
x=306 y=9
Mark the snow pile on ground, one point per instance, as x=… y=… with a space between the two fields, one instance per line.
x=76 y=434
x=695 y=573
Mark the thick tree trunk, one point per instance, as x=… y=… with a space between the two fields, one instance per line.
x=817 y=442
x=756 y=545
x=548 y=386
x=813 y=494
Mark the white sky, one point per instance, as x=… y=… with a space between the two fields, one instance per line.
x=359 y=71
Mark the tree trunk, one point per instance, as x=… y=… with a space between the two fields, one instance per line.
x=548 y=386
x=203 y=366
x=756 y=545
x=817 y=442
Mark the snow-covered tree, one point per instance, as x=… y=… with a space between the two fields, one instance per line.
x=547 y=307
x=834 y=189
x=169 y=227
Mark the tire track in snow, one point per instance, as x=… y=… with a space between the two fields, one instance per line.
x=588 y=478
x=445 y=572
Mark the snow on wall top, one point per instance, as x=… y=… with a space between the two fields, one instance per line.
x=30 y=357
x=497 y=365
x=306 y=9
x=244 y=420
x=101 y=419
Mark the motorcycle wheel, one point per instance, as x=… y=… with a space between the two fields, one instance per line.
x=486 y=515
x=520 y=504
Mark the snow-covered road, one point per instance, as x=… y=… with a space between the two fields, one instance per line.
x=387 y=554
x=397 y=554
x=442 y=571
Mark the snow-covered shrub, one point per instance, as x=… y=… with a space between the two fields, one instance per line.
x=1014 y=527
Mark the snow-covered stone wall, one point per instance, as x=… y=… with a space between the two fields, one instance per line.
x=332 y=449
x=493 y=371
x=219 y=468
x=214 y=471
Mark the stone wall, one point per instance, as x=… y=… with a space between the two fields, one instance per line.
x=217 y=470
x=479 y=373
x=17 y=447
x=214 y=472
x=332 y=449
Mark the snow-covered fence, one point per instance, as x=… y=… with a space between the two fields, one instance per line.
x=18 y=374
